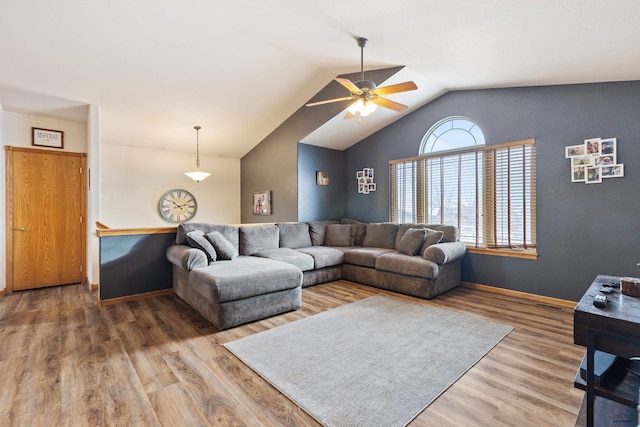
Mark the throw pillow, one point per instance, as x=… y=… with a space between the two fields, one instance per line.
x=432 y=237
x=412 y=241
x=224 y=248
x=295 y=235
x=338 y=235
x=381 y=235
x=197 y=240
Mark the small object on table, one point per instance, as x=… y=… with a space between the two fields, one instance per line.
x=600 y=301
x=630 y=286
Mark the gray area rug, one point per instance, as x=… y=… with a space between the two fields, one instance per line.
x=376 y=362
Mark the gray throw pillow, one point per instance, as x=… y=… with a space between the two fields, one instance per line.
x=295 y=235
x=412 y=241
x=432 y=237
x=197 y=240
x=223 y=247
x=381 y=235
x=338 y=235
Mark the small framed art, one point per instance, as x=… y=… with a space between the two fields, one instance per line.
x=262 y=203
x=47 y=138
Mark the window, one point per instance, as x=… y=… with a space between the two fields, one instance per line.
x=488 y=192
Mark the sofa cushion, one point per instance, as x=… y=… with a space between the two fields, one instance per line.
x=196 y=239
x=338 y=235
x=243 y=277
x=301 y=260
x=381 y=235
x=294 y=235
x=432 y=237
x=224 y=248
x=258 y=238
x=365 y=257
x=324 y=256
x=186 y=257
x=412 y=241
x=395 y=262
x=230 y=232
x=317 y=230
x=358 y=231
x=445 y=252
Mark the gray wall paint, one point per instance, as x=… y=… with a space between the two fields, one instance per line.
x=318 y=202
x=582 y=230
x=273 y=164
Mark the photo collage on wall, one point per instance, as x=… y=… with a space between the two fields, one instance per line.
x=594 y=160
x=365 y=181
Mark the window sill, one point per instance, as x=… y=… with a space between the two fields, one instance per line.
x=511 y=253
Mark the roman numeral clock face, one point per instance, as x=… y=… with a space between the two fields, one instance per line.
x=177 y=206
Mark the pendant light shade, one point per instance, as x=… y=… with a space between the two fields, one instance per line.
x=197 y=175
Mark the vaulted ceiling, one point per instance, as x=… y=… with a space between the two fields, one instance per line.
x=241 y=68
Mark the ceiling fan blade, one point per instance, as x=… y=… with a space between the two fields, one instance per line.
x=349 y=115
x=392 y=105
x=328 y=101
x=349 y=85
x=400 y=87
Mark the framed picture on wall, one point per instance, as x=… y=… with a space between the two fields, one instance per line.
x=47 y=138
x=322 y=178
x=593 y=174
x=262 y=203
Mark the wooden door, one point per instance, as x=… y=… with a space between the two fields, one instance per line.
x=46 y=193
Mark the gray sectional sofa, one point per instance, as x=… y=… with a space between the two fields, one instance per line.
x=238 y=274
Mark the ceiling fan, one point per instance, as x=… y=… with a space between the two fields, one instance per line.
x=365 y=93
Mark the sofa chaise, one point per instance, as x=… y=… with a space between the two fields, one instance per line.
x=234 y=275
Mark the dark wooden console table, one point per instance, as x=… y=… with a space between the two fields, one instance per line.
x=614 y=329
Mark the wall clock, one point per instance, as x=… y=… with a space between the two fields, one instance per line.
x=177 y=206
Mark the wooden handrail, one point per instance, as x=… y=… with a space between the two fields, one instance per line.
x=130 y=231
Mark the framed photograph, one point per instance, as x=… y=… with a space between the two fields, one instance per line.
x=575 y=150
x=614 y=171
x=360 y=175
x=361 y=187
x=592 y=146
x=608 y=160
x=262 y=203
x=593 y=174
x=368 y=172
x=608 y=147
x=578 y=173
x=47 y=138
x=322 y=178
x=582 y=161
x=372 y=187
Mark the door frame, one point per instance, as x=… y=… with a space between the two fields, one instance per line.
x=9 y=180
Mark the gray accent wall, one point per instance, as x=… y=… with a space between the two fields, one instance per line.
x=273 y=164
x=582 y=230
x=320 y=202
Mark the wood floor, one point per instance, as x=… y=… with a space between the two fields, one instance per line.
x=66 y=362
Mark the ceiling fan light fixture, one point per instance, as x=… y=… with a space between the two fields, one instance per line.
x=362 y=107
x=365 y=94
x=197 y=175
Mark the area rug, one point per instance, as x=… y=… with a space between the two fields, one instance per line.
x=376 y=362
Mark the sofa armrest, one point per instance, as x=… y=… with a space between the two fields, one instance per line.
x=186 y=257
x=442 y=253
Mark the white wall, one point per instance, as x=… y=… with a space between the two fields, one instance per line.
x=17 y=131
x=133 y=179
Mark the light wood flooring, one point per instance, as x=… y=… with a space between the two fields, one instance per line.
x=66 y=362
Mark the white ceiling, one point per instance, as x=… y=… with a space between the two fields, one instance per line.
x=240 y=68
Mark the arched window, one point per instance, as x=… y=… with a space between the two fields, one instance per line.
x=451 y=133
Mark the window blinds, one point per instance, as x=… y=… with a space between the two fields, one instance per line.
x=488 y=192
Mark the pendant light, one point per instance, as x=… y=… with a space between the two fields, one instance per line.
x=197 y=175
